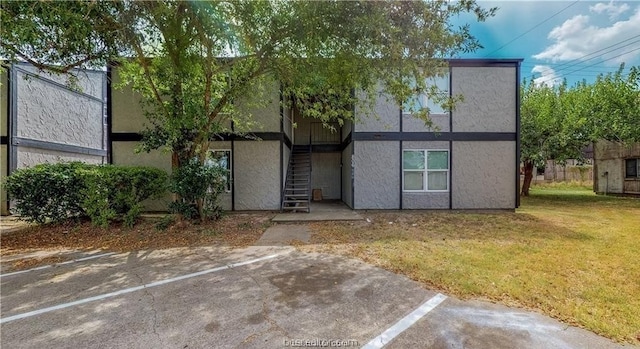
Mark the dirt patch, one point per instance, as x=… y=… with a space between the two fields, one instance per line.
x=234 y=230
x=28 y=263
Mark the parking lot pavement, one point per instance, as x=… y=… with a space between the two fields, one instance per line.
x=259 y=297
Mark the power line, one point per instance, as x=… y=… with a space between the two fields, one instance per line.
x=608 y=59
x=528 y=31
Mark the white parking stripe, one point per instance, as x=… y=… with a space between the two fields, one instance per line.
x=57 y=264
x=405 y=323
x=133 y=289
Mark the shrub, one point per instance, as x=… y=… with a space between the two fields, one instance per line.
x=198 y=187
x=47 y=192
x=55 y=192
x=112 y=192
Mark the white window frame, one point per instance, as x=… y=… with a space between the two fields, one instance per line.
x=228 y=186
x=423 y=100
x=426 y=170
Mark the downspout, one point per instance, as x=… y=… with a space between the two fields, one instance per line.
x=606 y=186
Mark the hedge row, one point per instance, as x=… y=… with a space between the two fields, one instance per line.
x=56 y=192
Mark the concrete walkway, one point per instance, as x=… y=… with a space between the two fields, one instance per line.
x=284 y=234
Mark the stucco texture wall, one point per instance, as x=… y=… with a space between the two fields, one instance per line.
x=489 y=99
x=3 y=174
x=325 y=174
x=88 y=81
x=610 y=157
x=124 y=154
x=376 y=175
x=49 y=113
x=411 y=123
x=347 y=172
x=257 y=175
x=385 y=116
x=426 y=200
x=483 y=175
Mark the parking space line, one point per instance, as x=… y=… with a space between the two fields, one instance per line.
x=133 y=289
x=57 y=264
x=405 y=323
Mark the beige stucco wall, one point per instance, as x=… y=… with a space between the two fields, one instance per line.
x=127 y=113
x=376 y=175
x=257 y=175
x=483 y=175
x=426 y=200
x=489 y=99
x=610 y=157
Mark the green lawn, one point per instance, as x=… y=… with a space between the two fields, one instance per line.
x=566 y=252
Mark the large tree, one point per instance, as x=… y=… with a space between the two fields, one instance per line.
x=193 y=61
x=558 y=122
x=197 y=63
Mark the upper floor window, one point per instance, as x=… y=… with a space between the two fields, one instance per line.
x=421 y=100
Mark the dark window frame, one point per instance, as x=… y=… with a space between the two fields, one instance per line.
x=628 y=170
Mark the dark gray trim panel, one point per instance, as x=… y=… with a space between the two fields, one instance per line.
x=450 y=141
x=400 y=195
x=287 y=141
x=66 y=148
x=4 y=140
x=506 y=62
x=109 y=116
x=59 y=85
x=435 y=136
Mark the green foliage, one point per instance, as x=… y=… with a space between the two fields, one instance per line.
x=112 y=192
x=558 y=122
x=55 y=192
x=320 y=51
x=47 y=192
x=165 y=222
x=198 y=187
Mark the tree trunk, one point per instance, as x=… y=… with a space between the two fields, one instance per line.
x=528 y=176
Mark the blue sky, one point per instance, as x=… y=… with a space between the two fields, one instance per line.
x=561 y=39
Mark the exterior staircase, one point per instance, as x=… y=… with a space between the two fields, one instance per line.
x=297 y=188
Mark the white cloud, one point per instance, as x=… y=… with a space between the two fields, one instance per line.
x=577 y=37
x=611 y=8
x=547 y=76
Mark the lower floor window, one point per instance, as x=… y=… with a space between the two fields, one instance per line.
x=632 y=168
x=425 y=170
x=221 y=158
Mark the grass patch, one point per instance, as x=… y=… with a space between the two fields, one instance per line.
x=567 y=253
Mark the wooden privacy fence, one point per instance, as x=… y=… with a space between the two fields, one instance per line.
x=571 y=171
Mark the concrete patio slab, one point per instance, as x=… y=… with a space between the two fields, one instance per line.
x=329 y=210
